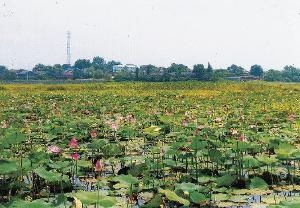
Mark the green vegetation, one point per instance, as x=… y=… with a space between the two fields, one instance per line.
x=174 y=144
x=100 y=69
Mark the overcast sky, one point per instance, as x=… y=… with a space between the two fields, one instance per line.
x=160 y=32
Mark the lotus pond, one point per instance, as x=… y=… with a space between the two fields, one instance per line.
x=184 y=144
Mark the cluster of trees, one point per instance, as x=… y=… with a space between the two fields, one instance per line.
x=177 y=72
x=99 y=68
x=6 y=74
x=288 y=74
x=49 y=72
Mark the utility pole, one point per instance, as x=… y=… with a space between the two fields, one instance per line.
x=69 y=48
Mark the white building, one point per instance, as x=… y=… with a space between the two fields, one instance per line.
x=127 y=67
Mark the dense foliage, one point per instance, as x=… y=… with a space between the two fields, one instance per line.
x=98 y=68
x=177 y=144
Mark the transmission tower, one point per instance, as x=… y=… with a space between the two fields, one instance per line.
x=69 y=48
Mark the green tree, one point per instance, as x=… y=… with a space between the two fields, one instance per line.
x=209 y=72
x=82 y=63
x=66 y=66
x=236 y=70
x=48 y=72
x=6 y=74
x=93 y=72
x=148 y=69
x=110 y=64
x=80 y=74
x=3 y=71
x=256 y=70
x=273 y=75
x=220 y=74
x=200 y=71
x=124 y=76
x=178 y=68
x=99 y=63
x=209 y=68
x=39 y=68
x=291 y=74
x=165 y=75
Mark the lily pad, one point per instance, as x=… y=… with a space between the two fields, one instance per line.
x=127 y=179
x=172 y=196
x=48 y=175
x=95 y=198
x=226 y=180
x=8 y=167
x=258 y=183
x=197 y=197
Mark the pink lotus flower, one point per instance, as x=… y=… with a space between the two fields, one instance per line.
x=93 y=134
x=242 y=138
x=73 y=143
x=184 y=123
x=114 y=126
x=130 y=118
x=99 y=166
x=75 y=156
x=54 y=149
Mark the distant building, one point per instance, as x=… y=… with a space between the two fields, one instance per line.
x=127 y=67
x=243 y=78
x=68 y=74
x=25 y=74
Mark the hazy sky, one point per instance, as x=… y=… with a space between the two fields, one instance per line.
x=159 y=32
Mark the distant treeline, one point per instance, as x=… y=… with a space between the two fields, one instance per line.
x=98 y=68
